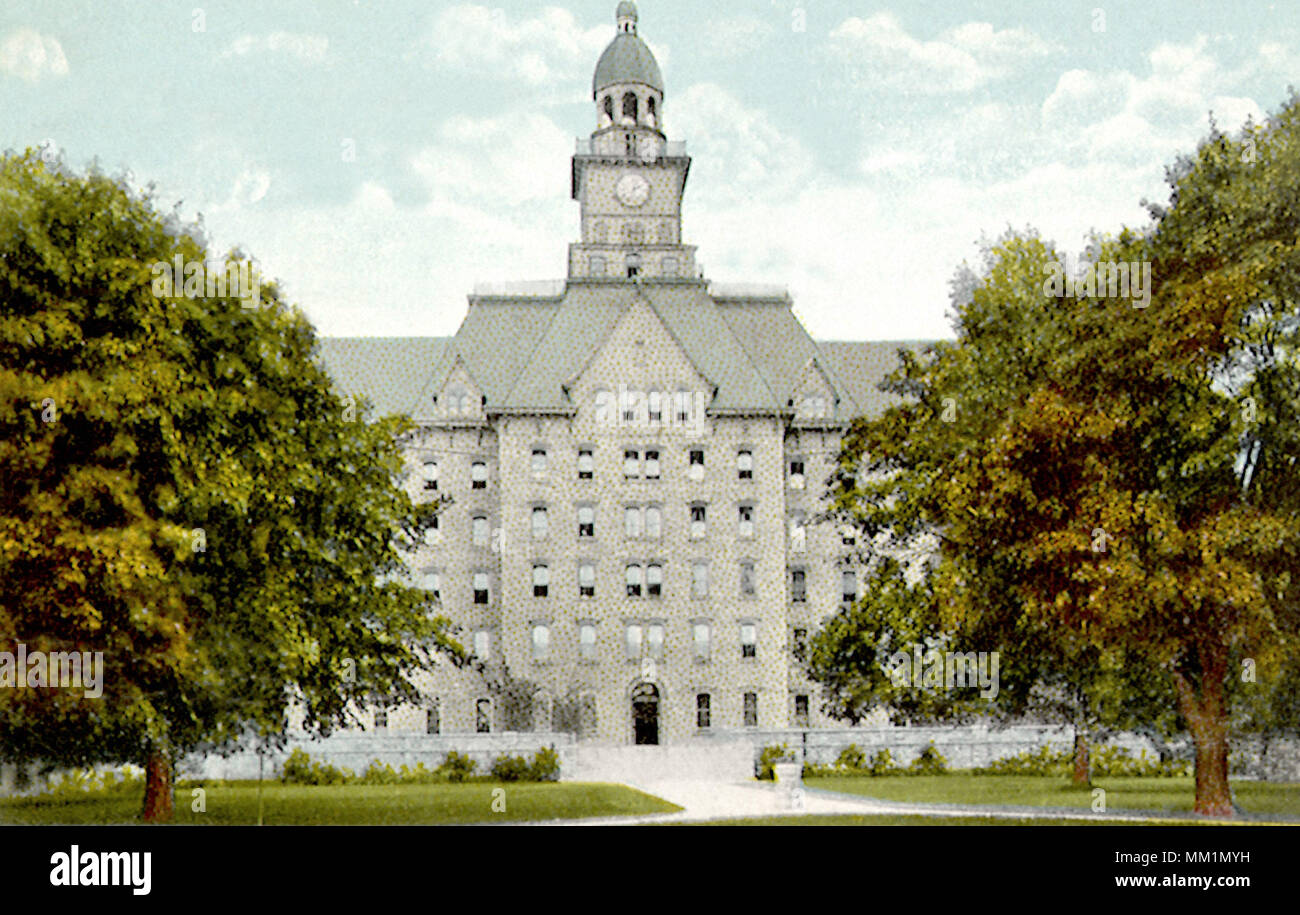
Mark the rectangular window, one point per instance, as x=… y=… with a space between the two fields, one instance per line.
x=703 y=715
x=654 y=579
x=798 y=585
x=433 y=533
x=586 y=580
x=654 y=639
x=683 y=406
x=655 y=406
x=701 y=639
x=800 y=643
x=483 y=645
x=633 y=641
x=848 y=586
x=478 y=475
x=541 y=581
x=433 y=718
x=631 y=464
x=748 y=640
x=430 y=474
x=433 y=584
x=480 y=587
x=587 y=641
x=653 y=522
x=633 y=578
x=539 y=460
x=747 y=586
x=798 y=533
x=700 y=579
x=698 y=526
x=745 y=524
x=695 y=465
x=479 y=531
x=796 y=474
x=540 y=523
x=541 y=642
x=652 y=465
x=381 y=716
x=801 y=711
x=586 y=465
x=483 y=716
x=751 y=710
x=632 y=521
x=745 y=465
x=586 y=521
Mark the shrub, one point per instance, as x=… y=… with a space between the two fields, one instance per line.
x=301 y=769
x=882 y=763
x=1043 y=761
x=457 y=767
x=851 y=758
x=75 y=782
x=768 y=757
x=814 y=770
x=929 y=762
x=545 y=766
x=378 y=773
x=511 y=768
x=420 y=775
x=1118 y=761
x=1105 y=761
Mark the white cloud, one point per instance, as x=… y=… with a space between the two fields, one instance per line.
x=737 y=152
x=29 y=55
x=738 y=36
x=547 y=48
x=298 y=45
x=1123 y=117
x=880 y=52
x=513 y=159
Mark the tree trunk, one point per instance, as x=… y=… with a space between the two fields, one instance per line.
x=1206 y=715
x=1082 y=766
x=158 y=801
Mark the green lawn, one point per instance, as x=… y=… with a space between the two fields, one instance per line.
x=850 y=820
x=1173 y=795
x=349 y=805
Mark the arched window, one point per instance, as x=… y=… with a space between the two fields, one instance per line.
x=650 y=110
x=609 y=107
x=629 y=105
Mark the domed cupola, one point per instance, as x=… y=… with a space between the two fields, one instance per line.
x=627 y=87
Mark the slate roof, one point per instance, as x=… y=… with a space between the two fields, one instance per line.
x=627 y=60
x=522 y=349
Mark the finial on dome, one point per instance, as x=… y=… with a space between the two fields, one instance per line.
x=625 y=16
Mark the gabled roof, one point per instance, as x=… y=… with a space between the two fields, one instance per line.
x=390 y=372
x=862 y=364
x=522 y=350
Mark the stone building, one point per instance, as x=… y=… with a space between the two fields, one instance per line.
x=634 y=456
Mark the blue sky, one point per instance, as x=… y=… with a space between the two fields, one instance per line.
x=379 y=158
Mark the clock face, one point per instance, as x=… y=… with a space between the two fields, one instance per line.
x=632 y=190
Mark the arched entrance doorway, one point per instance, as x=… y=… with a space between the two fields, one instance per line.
x=645 y=714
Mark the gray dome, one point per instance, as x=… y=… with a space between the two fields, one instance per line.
x=627 y=60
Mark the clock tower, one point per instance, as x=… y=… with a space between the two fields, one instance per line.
x=628 y=177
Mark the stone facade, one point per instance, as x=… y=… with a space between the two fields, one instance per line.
x=631 y=461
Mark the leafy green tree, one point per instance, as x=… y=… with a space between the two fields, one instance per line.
x=186 y=492
x=1110 y=478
